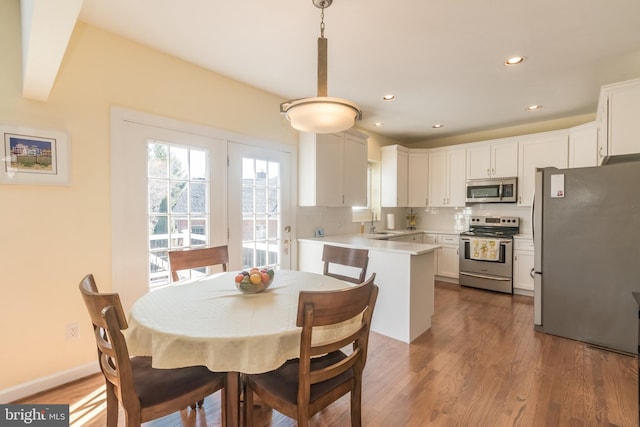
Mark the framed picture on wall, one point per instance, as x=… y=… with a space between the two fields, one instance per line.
x=34 y=156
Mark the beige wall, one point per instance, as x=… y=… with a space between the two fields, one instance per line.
x=53 y=236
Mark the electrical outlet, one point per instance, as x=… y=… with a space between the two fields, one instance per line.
x=72 y=330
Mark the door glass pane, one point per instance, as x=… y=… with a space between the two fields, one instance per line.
x=158 y=191
x=179 y=162
x=260 y=215
x=179 y=191
x=178 y=188
x=158 y=162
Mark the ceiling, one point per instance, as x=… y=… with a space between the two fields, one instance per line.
x=444 y=60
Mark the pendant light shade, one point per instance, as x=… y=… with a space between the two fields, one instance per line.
x=321 y=114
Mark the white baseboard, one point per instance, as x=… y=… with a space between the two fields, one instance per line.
x=524 y=292
x=38 y=385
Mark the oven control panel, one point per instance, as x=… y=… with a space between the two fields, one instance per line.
x=494 y=221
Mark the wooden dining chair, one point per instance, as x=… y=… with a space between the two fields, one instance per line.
x=323 y=373
x=353 y=261
x=144 y=392
x=195 y=258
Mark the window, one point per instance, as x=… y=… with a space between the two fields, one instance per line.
x=365 y=213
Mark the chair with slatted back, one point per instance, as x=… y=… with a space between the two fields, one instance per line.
x=144 y=392
x=352 y=261
x=196 y=258
x=323 y=373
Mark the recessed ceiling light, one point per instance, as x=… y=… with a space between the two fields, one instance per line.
x=534 y=107
x=378 y=124
x=389 y=97
x=437 y=126
x=515 y=60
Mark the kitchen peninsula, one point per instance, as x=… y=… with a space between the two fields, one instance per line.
x=404 y=274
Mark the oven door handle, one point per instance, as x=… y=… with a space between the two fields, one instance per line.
x=503 y=242
x=482 y=276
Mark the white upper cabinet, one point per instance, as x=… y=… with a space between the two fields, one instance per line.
x=394 y=176
x=549 y=149
x=583 y=145
x=619 y=119
x=497 y=159
x=418 y=178
x=447 y=178
x=332 y=169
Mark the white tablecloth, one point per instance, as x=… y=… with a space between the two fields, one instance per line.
x=208 y=322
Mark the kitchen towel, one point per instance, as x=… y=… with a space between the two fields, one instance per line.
x=484 y=249
x=391 y=224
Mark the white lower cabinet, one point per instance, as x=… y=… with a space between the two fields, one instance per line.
x=522 y=265
x=448 y=263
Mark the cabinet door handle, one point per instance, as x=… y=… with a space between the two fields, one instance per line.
x=488 y=172
x=493 y=171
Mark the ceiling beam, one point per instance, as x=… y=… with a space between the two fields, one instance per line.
x=46 y=29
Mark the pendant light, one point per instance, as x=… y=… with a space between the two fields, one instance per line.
x=321 y=114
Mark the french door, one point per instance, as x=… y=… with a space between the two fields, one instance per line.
x=259 y=207
x=177 y=186
x=168 y=192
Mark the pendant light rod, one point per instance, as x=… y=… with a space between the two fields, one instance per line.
x=322 y=66
x=322 y=49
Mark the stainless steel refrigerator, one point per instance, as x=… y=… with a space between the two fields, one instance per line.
x=586 y=230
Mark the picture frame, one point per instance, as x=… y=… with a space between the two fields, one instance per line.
x=33 y=156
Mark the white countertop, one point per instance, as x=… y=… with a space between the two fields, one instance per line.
x=524 y=236
x=373 y=242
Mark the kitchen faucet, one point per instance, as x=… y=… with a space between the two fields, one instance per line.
x=372 y=228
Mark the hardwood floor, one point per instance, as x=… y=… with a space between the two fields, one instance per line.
x=481 y=364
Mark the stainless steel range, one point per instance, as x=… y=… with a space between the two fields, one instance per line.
x=486 y=253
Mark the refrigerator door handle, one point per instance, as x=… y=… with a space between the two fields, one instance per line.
x=533 y=221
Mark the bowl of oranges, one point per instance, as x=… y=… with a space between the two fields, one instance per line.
x=254 y=280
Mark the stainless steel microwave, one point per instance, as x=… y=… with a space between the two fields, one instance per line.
x=493 y=190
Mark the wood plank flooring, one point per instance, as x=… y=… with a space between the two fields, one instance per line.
x=481 y=364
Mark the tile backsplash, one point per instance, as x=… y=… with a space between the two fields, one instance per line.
x=457 y=219
x=339 y=220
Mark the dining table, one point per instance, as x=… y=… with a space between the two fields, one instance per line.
x=207 y=321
